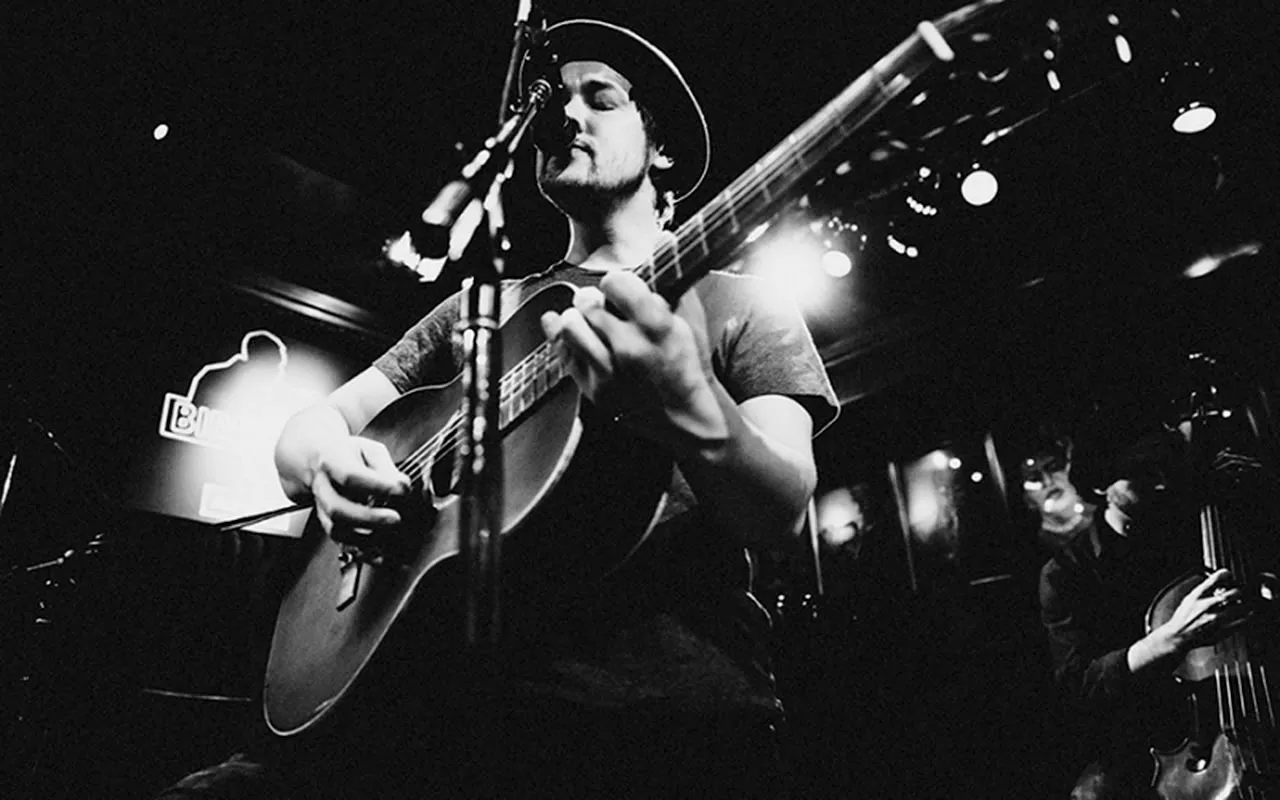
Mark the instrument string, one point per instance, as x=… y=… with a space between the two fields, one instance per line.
x=1246 y=713
x=808 y=145
x=520 y=377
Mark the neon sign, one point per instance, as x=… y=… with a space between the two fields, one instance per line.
x=232 y=412
x=185 y=418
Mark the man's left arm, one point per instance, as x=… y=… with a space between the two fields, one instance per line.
x=756 y=479
x=749 y=463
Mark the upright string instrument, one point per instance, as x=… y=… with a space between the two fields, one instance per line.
x=1232 y=750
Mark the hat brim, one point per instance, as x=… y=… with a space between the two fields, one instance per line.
x=656 y=83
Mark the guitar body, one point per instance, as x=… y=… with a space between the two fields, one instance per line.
x=331 y=621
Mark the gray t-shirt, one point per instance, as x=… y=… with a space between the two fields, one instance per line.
x=677 y=622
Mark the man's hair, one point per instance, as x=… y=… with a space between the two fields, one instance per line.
x=665 y=199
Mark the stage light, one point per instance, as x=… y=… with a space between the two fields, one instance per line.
x=1188 y=91
x=923 y=192
x=837 y=263
x=979 y=187
x=902 y=248
x=790 y=260
x=1194 y=117
x=1210 y=262
x=1123 y=51
x=161 y=131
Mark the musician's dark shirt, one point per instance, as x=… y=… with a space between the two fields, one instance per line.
x=1094 y=596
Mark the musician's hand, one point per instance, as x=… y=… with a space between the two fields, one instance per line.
x=352 y=479
x=637 y=347
x=1209 y=611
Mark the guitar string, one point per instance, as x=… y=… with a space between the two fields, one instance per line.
x=1248 y=701
x=805 y=140
x=727 y=205
x=1268 y=751
x=421 y=460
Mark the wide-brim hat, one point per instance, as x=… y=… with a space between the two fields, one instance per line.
x=656 y=84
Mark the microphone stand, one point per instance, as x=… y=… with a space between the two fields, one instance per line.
x=454 y=215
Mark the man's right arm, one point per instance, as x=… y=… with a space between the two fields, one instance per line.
x=319 y=457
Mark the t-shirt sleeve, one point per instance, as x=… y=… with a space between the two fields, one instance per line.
x=761 y=345
x=425 y=354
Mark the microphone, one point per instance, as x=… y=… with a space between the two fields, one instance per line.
x=431 y=236
x=552 y=130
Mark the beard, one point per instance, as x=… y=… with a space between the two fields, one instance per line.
x=590 y=195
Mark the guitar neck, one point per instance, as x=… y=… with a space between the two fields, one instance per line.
x=711 y=236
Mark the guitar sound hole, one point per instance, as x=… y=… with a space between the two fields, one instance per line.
x=441 y=480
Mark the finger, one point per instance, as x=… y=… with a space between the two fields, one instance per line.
x=326 y=521
x=626 y=341
x=342 y=511
x=636 y=302
x=588 y=297
x=583 y=342
x=365 y=482
x=378 y=458
x=351 y=514
x=1218 y=578
x=551 y=325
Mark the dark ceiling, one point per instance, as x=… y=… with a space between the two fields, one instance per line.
x=304 y=133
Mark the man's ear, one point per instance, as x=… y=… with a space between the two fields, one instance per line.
x=662 y=161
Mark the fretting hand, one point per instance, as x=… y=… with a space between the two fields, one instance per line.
x=1209 y=611
x=625 y=348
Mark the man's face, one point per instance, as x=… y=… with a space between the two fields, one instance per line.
x=1046 y=484
x=610 y=155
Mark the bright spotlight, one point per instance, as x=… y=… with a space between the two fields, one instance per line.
x=1212 y=261
x=791 y=262
x=837 y=263
x=161 y=131
x=1194 y=117
x=1189 y=88
x=902 y=248
x=1123 y=51
x=979 y=187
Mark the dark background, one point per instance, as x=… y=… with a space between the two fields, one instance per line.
x=304 y=134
